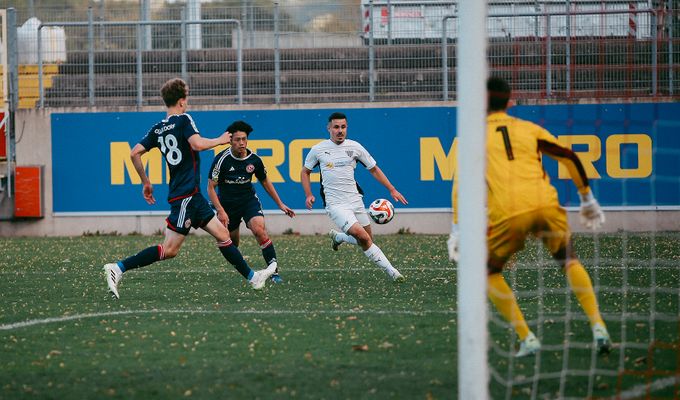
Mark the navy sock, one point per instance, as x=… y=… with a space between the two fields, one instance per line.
x=233 y=255
x=268 y=251
x=145 y=257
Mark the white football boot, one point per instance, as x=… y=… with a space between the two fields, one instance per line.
x=530 y=345
x=113 y=277
x=334 y=243
x=396 y=276
x=602 y=340
x=260 y=277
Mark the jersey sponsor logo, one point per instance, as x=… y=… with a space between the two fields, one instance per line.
x=329 y=165
x=250 y=168
x=239 y=181
x=163 y=129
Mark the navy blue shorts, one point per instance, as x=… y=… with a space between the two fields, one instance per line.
x=189 y=212
x=244 y=210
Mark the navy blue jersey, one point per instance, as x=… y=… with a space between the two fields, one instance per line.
x=171 y=136
x=234 y=176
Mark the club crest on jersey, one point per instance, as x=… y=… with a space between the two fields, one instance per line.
x=350 y=153
x=187 y=224
x=250 y=168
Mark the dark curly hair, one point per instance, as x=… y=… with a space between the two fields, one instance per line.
x=240 y=126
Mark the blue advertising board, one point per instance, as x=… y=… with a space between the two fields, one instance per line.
x=629 y=150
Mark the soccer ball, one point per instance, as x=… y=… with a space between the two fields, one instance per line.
x=381 y=211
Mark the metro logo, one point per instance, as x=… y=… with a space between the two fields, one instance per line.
x=433 y=156
x=121 y=163
x=272 y=152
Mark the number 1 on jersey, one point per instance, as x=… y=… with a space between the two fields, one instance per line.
x=506 y=141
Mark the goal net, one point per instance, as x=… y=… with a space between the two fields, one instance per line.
x=630 y=151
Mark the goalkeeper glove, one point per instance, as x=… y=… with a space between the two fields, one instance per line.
x=452 y=243
x=591 y=213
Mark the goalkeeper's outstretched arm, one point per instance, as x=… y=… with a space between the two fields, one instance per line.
x=591 y=213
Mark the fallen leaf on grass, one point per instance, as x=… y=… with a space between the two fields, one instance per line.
x=360 y=347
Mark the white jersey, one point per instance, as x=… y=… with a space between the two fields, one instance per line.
x=337 y=163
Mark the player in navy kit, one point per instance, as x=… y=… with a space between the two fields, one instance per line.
x=235 y=199
x=179 y=141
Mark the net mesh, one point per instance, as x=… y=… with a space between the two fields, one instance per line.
x=635 y=270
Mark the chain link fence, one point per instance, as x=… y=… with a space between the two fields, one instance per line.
x=347 y=51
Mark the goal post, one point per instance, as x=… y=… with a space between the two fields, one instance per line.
x=473 y=372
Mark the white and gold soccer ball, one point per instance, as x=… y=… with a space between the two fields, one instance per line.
x=381 y=211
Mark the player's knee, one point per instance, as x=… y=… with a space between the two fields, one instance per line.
x=260 y=234
x=170 y=252
x=364 y=239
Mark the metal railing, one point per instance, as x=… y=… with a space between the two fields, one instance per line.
x=140 y=44
x=547 y=55
x=548 y=43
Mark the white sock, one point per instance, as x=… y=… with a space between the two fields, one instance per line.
x=377 y=256
x=343 y=237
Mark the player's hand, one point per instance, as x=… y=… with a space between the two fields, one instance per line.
x=287 y=210
x=398 y=197
x=147 y=192
x=225 y=137
x=309 y=201
x=591 y=214
x=452 y=243
x=223 y=217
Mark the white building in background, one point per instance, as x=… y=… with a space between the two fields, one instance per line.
x=414 y=20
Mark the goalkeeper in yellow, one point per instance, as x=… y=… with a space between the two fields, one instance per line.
x=522 y=202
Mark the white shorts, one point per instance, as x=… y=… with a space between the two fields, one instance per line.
x=346 y=215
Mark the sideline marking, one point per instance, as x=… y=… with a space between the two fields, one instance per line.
x=44 y=321
x=214 y=271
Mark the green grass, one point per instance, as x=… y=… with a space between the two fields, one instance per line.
x=191 y=327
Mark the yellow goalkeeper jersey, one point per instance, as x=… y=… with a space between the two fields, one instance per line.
x=516 y=180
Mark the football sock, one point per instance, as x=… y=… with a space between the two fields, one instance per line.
x=377 y=256
x=502 y=297
x=268 y=251
x=145 y=257
x=343 y=237
x=235 y=258
x=581 y=285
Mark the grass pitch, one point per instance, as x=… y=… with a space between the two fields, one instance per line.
x=338 y=328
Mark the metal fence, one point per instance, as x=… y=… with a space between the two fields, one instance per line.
x=376 y=51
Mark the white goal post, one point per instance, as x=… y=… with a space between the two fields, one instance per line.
x=473 y=374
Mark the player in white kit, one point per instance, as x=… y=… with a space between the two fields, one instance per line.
x=343 y=198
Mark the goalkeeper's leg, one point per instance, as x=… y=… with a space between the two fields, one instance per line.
x=504 y=299
x=581 y=285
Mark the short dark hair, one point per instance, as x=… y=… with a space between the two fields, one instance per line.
x=174 y=90
x=240 y=126
x=498 y=91
x=336 y=115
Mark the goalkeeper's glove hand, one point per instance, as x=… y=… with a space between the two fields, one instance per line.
x=591 y=214
x=452 y=243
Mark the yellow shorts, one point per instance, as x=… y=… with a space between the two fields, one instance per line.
x=548 y=224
